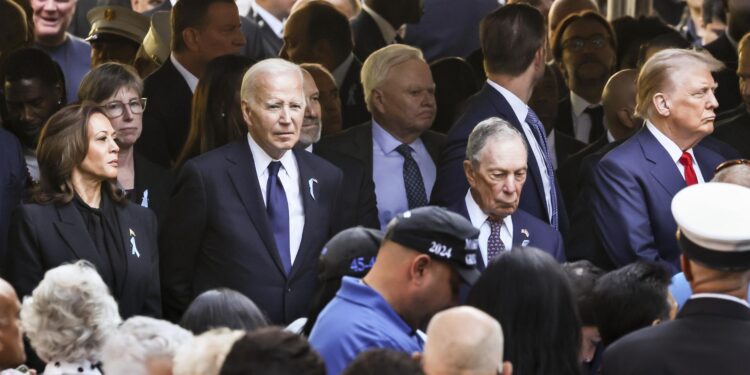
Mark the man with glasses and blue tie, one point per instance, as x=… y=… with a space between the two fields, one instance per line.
x=253 y=215
x=513 y=41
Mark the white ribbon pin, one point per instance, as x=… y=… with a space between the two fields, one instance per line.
x=310 y=183
x=134 y=249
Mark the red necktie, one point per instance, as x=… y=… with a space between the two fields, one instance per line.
x=687 y=161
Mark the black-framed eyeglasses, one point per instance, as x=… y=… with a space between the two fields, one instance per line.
x=116 y=108
x=731 y=163
x=576 y=44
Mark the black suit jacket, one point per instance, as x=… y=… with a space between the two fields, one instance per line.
x=728 y=92
x=709 y=336
x=734 y=129
x=564 y=120
x=367 y=36
x=451 y=184
x=166 y=121
x=271 y=41
x=353 y=107
x=568 y=172
x=565 y=146
x=217 y=233
x=153 y=184
x=13 y=179
x=44 y=236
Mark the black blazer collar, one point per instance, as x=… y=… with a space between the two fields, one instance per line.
x=716 y=307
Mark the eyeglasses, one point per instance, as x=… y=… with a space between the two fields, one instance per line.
x=731 y=163
x=576 y=44
x=116 y=108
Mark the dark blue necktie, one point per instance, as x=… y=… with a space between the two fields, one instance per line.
x=415 y=194
x=538 y=129
x=277 y=209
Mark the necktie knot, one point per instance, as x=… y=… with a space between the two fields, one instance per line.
x=404 y=150
x=495 y=225
x=273 y=168
x=594 y=111
x=686 y=159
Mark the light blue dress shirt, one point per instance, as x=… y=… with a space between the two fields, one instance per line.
x=388 y=173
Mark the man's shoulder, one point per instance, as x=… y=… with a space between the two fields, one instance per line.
x=344 y=141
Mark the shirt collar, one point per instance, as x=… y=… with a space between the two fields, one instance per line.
x=476 y=215
x=579 y=104
x=720 y=296
x=674 y=151
x=610 y=137
x=190 y=79
x=339 y=74
x=244 y=6
x=386 y=29
x=388 y=142
x=261 y=159
x=357 y=292
x=519 y=107
x=274 y=23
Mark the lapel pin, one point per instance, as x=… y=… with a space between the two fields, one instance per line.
x=134 y=249
x=525 y=232
x=144 y=201
x=311 y=183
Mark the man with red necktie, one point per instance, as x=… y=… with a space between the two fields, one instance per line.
x=634 y=183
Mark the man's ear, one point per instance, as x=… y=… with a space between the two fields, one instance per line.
x=507 y=368
x=190 y=36
x=686 y=270
x=376 y=100
x=245 y=106
x=626 y=117
x=662 y=104
x=419 y=267
x=469 y=172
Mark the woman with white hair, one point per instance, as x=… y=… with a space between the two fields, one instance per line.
x=68 y=317
x=143 y=346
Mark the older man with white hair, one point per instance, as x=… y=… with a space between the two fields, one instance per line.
x=253 y=215
x=635 y=182
x=464 y=341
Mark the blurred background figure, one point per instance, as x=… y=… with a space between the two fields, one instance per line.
x=143 y=6
x=582 y=276
x=454 y=83
x=272 y=350
x=142 y=346
x=11 y=333
x=118 y=90
x=734 y=127
x=13 y=28
x=330 y=102
x=383 y=361
x=270 y=15
x=694 y=27
x=380 y=22
x=68 y=317
x=204 y=354
x=116 y=34
x=222 y=308
x=156 y=45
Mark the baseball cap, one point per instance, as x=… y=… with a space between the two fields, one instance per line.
x=351 y=252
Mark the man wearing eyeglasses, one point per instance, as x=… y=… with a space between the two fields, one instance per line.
x=635 y=182
x=584 y=49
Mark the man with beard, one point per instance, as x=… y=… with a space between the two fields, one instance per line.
x=358 y=199
x=34 y=90
x=584 y=47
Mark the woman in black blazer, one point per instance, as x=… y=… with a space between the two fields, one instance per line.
x=79 y=213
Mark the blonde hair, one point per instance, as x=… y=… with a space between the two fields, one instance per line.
x=658 y=74
x=379 y=63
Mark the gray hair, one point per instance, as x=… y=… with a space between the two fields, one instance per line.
x=493 y=127
x=139 y=340
x=204 y=354
x=658 y=72
x=737 y=174
x=375 y=69
x=69 y=314
x=272 y=66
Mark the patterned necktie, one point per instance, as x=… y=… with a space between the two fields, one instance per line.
x=494 y=245
x=415 y=192
x=596 y=114
x=277 y=209
x=538 y=129
x=687 y=161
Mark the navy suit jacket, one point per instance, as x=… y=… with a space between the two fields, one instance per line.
x=217 y=233
x=527 y=231
x=44 y=236
x=13 y=180
x=271 y=41
x=352 y=95
x=633 y=189
x=451 y=185
x=367 y=36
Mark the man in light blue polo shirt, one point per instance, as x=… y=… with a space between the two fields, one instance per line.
x=425 y=256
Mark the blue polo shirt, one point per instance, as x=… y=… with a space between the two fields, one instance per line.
x=358 y=319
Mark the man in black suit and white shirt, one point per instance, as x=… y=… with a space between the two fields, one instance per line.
x=270 y=16
x=379 y=22
x=201 y=31
x=253 y=215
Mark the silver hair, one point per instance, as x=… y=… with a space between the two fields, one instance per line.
x=204 y=354
x=493 y=127
x=69 y=314
x=375 y=69
x=139 y=340
x=268 y=66
x=736 y=174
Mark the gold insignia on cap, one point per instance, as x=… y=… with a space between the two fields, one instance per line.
x=109 y=14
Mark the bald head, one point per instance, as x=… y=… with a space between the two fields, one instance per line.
x=463 y=340
x=563 y=8
x=618 y=100
x=11 y=337
x=737 y=174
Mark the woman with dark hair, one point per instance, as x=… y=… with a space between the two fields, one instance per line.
x=118 y=90
x=222 y=308
x=79 y=214
x=217 y=117
x=529 y=294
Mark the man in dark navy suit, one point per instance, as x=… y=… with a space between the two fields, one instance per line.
x=635 y=182
x=13 y=181
x=378 y=24
x=513 y=43
x=496 y=169
x=253 y=215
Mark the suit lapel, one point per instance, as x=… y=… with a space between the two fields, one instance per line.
x=665 y=170
x=243 y=177
x=73 y=231
x=310 y=191
x=565 y=116
x=707 y=161
x=129 y=234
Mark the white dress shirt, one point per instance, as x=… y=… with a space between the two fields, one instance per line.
x=244 y=6
x=386 y=29
x=289 y=177
x=190 y=79
x=479 y=220
x=581 y=120
x=521 y=110
x=274 y=23
x=675 y=152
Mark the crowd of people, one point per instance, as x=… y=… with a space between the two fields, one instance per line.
x=205 y=187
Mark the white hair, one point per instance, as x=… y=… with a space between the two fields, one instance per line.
x=204 y=354
x=491 y=128
x=140 y=339
x=69 y=314
x=375 y=69
x=274 y=66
